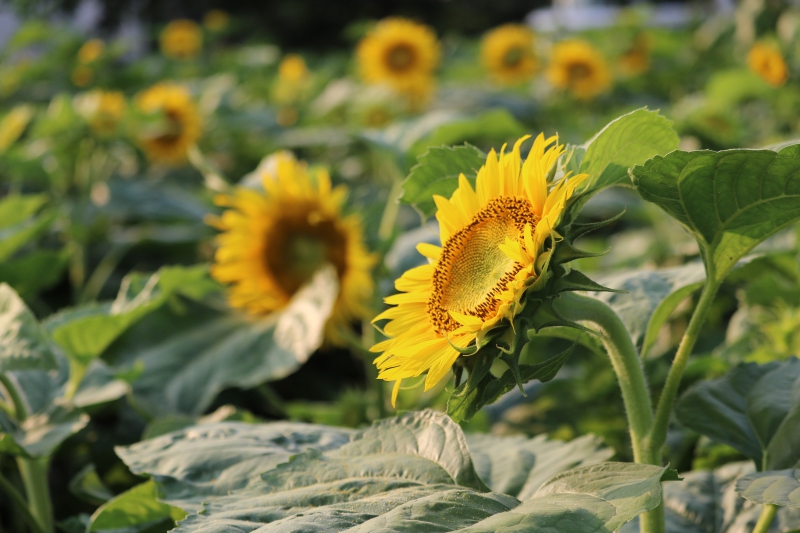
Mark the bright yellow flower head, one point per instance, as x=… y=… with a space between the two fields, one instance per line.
x=399 y=53
x=103 y=110
x=766 y=61
x=292 y=69
x=495 y=241
x=216 y=20
x=578 y=66
x=507 y=53
x=13 y=125
x=176 y=122
x=91 y=51
x=181 y=39
x=275 y=240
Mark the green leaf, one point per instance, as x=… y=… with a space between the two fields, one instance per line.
x=753 y=408
x=492 y=126
x=15 y=209
x=88 y=486
x=134 y=510
x=34 y=272
x=518 y=466
x=781 y=487
x=437 y=172
x=15 y=237
x=729 y=201
x=42 y=432
x=626 y=141
x=23 y=343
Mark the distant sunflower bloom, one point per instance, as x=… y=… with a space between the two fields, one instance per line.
x=766 y=61
x=82 y=76
x=577 y=66
x=176 y=122
x=13 y=125
x=507 y=53
x=216 y=20
x=91 y=51
x=181 y=39
x=292 y=69
x=493 y=248
x=275 y=240
x=401 y=54
x=103 y=110
x=636 y=59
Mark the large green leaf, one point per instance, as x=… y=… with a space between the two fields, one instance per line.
x=18 y=225
x=518 y=466
x=437 y=172
x=23 y=343
x=135 y=510
x=778 y=487
x=754 y=408
x=410 y=473
x=42 y=432
x=15 y=209
x=729 y=201
x=626 y=141
x=34 y=272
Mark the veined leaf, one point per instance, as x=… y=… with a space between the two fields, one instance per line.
x=34 y=272
x=625 y=142
x=134 y=510
x=781 y=487
x=729 y=201
x=41 y=433
x=23 y=343
x=437 y=172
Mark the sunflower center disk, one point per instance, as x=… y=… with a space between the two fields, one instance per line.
x=400 y=57
x=472 y=270
x=513 y=57
x=579 y=71
x=298 y=245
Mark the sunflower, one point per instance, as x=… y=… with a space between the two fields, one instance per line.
x=507 y=53
x=176 y=122
x=275 y=241
x=577 y=66
x=495 y=242
x=91 y=51
x=216 y=20
x=401 y=54
x=766 y=61
x=636 y=59
x=103 y=110
x=13 y=125
x=82 y=76
x=181 y=39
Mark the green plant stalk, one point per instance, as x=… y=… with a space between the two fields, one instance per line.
x=20 y=505
x=768 y=512
x=658 y=433
x=20 y=411
x=625 y=361
x=34 y=477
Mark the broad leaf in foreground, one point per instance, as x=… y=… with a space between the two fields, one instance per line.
x=778 y=487
x=23 y=342
x=134 y=510
x=729 y=201
x=753 y=408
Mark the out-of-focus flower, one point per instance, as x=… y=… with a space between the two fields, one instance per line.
x=507 y=53
x=493 y=248
x=766 y=60
x=216 y=20
x=13 y=124
x=82 y=75
x=401 y=54
x=636 y=59
x=91 y=51
x=181 y=39
x=292 y=69
x=175 y=122
x=275 y=240
x=103 y=110
x=292 y=84
x=577 y=66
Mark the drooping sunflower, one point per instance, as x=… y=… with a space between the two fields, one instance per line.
x=275 y=240
x=102 y=109
x=766 y=60
x=495 y=241
x=181 y=39
x=507 y=53
x=176 y=123
x=401 y=54
x=579 y=67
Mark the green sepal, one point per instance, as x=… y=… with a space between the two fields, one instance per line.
x=576 y=230
x=577 y=281
x=566 y=252
x=545 y=316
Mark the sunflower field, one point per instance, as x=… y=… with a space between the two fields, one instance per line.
x=537 y=276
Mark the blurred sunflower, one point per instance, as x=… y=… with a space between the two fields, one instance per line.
x=493 y=248
x=176 y=123
x=181 y=39
x=290 y=87
x=577 y=66
x=103 y=110
x=766 y=61
x=216 y=20
x=401 y=54
x=91 y=51
x=636 y=59
x=275 y=241
x=13 y=125
x=507 y=53
x=82 y=76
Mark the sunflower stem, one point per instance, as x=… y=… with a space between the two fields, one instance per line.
x=20 y=505
x=768 y=512
x=625 y=360
x=34 y=477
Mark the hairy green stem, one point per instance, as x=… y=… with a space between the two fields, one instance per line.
x=20 y=505
x=34 y=477
x=625 y=361
x=20 y=411
x=768 y=512
x=658 y=433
